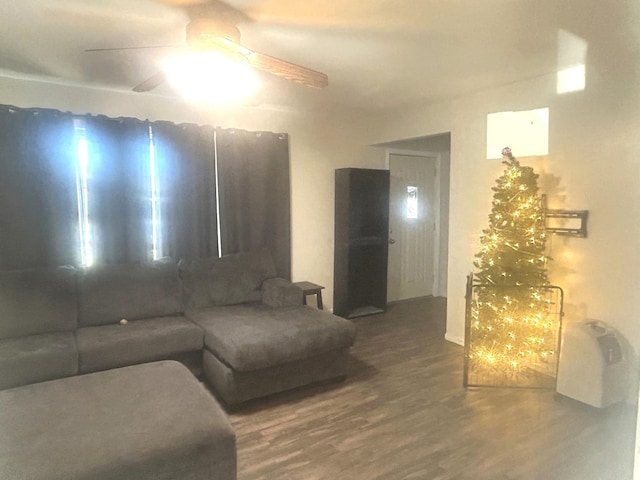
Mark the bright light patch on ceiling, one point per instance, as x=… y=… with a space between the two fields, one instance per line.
x=525 y=132
x=572 y=58
x=211 y=77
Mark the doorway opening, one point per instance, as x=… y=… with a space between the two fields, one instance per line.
x=418 y=216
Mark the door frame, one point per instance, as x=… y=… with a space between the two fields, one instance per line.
x=437 y=193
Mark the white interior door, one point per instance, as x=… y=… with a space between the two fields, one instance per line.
x=412 y=226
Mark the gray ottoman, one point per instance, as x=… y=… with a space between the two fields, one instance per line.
x=151 y=421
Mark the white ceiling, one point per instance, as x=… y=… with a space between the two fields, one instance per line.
x=377 y=53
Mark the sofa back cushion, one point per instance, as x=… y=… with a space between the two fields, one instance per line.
x=109 y=293
x=37 y=301
x=230 y=280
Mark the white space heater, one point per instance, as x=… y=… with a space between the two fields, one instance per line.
x=593 y=365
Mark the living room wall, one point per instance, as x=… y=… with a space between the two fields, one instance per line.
x=320 y=142
x=593 y=164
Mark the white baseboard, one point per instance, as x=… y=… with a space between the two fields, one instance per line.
x=454 y=339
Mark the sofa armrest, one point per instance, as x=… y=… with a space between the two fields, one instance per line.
x=278 y=292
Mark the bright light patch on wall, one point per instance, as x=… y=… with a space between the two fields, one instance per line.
x=412 y=202
x=82 y=195
x=572 y=58
x=571 y=79
x=156 y=217
x=525 y=132
x=211 y=77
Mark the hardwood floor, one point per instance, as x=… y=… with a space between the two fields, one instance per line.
x=402 y=413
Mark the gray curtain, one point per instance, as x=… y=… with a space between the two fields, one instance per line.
x=38 y=219
x=185 y=157
x=39 y=212
x=254 y=194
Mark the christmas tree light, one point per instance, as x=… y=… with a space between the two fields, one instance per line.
x=511 y=328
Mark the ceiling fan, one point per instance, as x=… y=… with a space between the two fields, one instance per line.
x=213 y=27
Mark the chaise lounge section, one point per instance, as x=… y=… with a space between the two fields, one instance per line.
x=259 y=337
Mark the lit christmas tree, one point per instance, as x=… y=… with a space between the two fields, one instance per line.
x=512 y=331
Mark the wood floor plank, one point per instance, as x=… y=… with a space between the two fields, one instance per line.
x=403 y=414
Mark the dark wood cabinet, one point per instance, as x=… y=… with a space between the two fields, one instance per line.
x=361 y=242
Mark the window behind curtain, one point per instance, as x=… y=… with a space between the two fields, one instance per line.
x=143 y=168
x=82 y=164
x=118 y=190
x=148 y=191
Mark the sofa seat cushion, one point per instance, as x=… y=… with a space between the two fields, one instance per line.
x=254 y=336
x=140 y=341
x=36 y=358
x=144 y=422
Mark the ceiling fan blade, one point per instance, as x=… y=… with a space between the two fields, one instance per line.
x=273 y=65
x=148 y=47
x=182 y=3
x=151 y=82
x=288 y=70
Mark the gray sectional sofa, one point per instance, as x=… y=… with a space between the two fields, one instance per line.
x=86 y=391
x=231 y=316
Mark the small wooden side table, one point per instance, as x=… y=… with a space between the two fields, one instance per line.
x=309 y=288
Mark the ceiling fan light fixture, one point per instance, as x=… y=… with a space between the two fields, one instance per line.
x=211 y=77
x=199 y=30
x=213 y=28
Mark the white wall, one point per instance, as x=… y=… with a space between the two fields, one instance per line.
x=593 y=164
x=319 y=143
